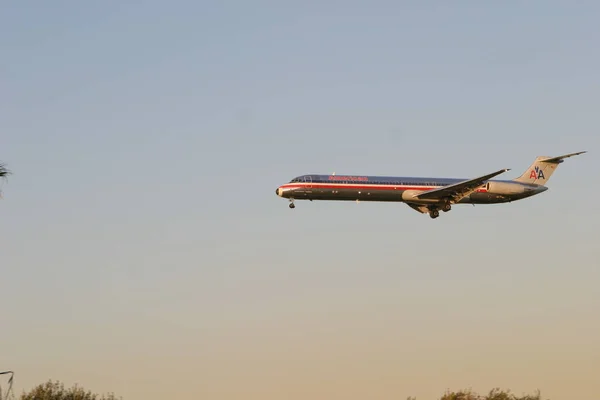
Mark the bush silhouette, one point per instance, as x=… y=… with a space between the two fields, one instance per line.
x=494 y=394
x=56 y=391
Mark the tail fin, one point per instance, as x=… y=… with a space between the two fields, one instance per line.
x=542 y=168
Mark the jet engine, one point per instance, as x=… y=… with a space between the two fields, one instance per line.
x=505 y=188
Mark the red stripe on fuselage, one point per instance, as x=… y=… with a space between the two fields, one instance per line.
x=364 y=187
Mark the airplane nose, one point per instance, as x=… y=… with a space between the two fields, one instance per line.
x=277 y=191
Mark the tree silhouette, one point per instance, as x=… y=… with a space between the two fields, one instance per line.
x=56 y=391
x=494 y=394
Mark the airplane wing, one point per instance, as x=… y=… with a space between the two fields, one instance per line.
x=458 y=190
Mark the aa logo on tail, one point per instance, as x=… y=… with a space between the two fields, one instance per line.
x=537 y=173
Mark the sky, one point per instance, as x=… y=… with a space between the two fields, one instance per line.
x=143 y=250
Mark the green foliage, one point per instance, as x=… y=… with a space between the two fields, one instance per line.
x=56 y=391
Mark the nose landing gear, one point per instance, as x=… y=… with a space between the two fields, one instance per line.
x=292 y=205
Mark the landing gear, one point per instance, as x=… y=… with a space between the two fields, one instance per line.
x=292 y=205
x=434 y=209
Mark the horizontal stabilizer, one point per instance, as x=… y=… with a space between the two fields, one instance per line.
x=560 y=159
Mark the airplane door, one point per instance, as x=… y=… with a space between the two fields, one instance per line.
x=308 y=180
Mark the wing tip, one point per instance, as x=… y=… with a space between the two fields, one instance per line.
x=575 y=154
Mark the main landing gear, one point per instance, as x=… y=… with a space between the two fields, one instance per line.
x=434 y=211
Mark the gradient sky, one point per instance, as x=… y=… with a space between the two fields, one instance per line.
x=143 y=249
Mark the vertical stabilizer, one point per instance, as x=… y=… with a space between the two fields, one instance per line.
x=542 y=168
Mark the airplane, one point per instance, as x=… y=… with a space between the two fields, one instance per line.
x=4 y=173
x=425 y=195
